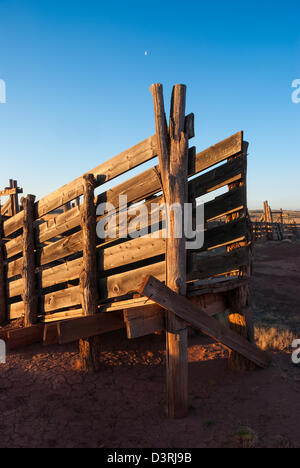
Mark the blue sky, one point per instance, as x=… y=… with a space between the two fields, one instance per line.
x=78 y=82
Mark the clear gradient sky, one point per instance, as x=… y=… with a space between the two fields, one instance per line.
x=78 y=82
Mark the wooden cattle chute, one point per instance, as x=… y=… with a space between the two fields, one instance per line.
x=67 y=284
x=275 y=225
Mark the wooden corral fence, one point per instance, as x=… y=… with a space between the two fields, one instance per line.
x=67 y=284
x=275 y=225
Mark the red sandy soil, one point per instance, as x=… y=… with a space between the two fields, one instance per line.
x=45 y=401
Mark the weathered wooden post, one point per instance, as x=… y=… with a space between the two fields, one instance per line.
x=3 y=301
x=281 y=216
x=173 y=160
x=90 y=347
x=28 y=272
x=14 y=197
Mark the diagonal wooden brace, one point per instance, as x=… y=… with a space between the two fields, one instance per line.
x=183 y=308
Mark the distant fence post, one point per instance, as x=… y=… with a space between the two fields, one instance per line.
x=28 y=271
x=3 y=299
x=90 y=347
x=173 y=161
x=14 y=198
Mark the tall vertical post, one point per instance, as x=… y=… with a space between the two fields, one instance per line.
x=3 y=299
x=14 y=198
x=172 y=146
x=281 y=216
x=28 y=272
x=89 y=348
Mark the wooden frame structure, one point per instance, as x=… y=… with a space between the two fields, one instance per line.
x=68 y=285
x=12 y=206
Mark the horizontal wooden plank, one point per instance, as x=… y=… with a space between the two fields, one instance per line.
x=204 y=267
x=73 y=330
x=145 y=320
x=60 y=249
x=10 y=191
x=61 y=223
x=14 y=268
x=14 y=246
x=221 y=176
x=65 y=272
x=133 y=250
x=62 y=315
x=124 y=283
x=12 y=224
x=15 y=310
x=211 y=286
x=114 y=305
x=229 y=202
x=183 y=308
x=21 y=337
x=225 y=234
x=68 y=297
x=218 y=152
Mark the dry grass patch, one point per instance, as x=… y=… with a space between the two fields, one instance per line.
x=274 y=339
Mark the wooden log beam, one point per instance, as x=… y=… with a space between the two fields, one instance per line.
x=28 y=270
x=187 y=311
x=89 y=346
x=21 y=337
x=84 y=328
x=173 y=160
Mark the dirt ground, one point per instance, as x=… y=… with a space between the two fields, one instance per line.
x=45 y=401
